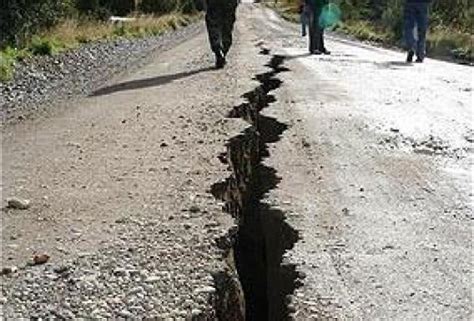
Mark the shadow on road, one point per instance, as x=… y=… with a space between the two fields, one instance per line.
x=147 y=82
x=394 y=64
x=291 y=57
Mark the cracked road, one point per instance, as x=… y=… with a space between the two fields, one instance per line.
x=381 y=190
x=374 y=174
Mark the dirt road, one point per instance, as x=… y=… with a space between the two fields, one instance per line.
x=347 y=179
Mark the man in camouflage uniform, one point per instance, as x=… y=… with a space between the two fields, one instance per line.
x=220 y=18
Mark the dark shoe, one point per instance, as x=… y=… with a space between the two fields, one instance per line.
x=410 y=55
x=326 y=52
x=316 y=52
x=419 y=60
x=220 y=61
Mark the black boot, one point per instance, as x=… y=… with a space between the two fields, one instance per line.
x=419 y=59
x=325 y=51
x=410 y=55
x=220 y=60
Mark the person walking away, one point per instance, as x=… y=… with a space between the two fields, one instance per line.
x=316 y=30
x=416 y=17
x=220 y=19
x=304 y=17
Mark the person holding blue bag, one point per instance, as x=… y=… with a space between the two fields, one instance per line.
x=322 y=15
x=316 y=32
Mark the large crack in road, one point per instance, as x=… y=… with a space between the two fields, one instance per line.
x=374 y=174
x=263 y=235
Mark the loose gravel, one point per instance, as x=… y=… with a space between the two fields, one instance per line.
x=143 y=274
x=129 y=223
x=44 y=81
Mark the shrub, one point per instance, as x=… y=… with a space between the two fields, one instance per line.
x=44 y=46
x=20 y=19
x=6 y=66
x=153 y=6
x=162 y=6
x=392 y=18
x=105 y=8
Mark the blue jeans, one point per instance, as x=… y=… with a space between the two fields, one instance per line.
x=416 y=15
x=304 y=21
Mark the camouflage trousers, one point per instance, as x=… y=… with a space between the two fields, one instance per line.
x=220 y=18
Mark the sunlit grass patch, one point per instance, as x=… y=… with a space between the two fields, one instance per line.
x=8 y=57
x=6 y=66
x=364 y=30
x=445 y=41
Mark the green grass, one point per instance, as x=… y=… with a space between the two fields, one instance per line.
x=8 y=57
x=45 y=46
x=365 y=31
x=447 y=42
x=7 y=64
x=441 y=41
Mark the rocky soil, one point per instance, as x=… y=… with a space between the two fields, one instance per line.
x=120 y=221
x=47 y=80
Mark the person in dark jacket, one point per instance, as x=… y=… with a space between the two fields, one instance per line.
x=416 y=16
x=220 y=19
x=316 y=29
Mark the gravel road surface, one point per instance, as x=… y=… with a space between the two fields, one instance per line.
x=382 y=190
x=285 y=186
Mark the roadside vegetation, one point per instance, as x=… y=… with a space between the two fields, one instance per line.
x=381 y=21
x=48 y=27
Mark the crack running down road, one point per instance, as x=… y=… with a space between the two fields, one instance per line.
x=349 y=186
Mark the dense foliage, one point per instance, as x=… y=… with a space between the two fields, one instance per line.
x=453 y=13
x=20 y=19
x=166 y=6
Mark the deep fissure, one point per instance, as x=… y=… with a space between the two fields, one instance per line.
x=263 y=236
